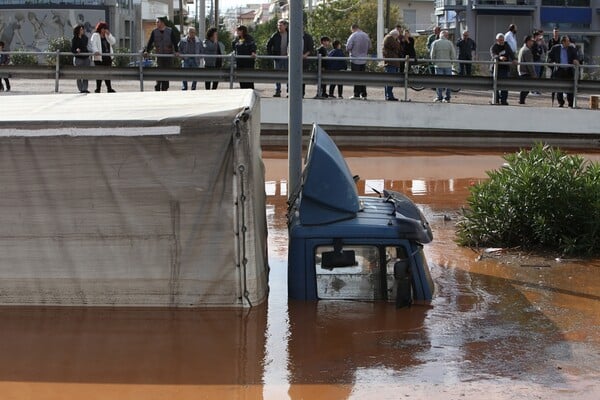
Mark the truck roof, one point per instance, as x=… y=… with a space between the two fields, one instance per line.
x=328 y=204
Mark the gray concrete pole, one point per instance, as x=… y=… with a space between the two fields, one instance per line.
x=216 y=14
x=181 y=17
x=202 y=19
x=295 y=97
x=380 y=24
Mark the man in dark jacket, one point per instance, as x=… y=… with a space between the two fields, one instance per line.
x=564 y=53
x=466 y=49
x=164 y=40
x=502 y=52
x=278 y=46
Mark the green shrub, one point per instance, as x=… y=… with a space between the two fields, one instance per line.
x=19 y=58
x=122 y=61
x=62 y=44
x=540 y=199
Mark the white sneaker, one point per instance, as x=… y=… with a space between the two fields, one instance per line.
x=445 y=101
x=436 y=100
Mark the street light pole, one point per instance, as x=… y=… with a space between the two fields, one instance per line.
x=295 y=97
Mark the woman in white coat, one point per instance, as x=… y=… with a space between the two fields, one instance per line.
x=101 y=43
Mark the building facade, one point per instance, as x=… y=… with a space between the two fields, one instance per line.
x=580 y=19
x=30 y=25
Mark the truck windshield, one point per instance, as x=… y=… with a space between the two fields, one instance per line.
x=362 y=281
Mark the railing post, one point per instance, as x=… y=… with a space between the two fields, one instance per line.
x=319 y=77
x=406 y=66
x=231 y=70
x=575 y=85
x=57 y=71
x=141 y=70
x=495 y=82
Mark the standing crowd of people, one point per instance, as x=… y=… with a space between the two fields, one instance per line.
x=398 y=48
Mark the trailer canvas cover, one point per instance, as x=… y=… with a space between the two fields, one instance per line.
x=132 y=199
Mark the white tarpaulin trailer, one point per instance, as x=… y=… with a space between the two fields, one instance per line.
x=132 y=199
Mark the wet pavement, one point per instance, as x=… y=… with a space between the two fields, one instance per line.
x=499 y=327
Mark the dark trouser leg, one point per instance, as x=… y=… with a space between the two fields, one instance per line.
x=359 y=90
x=98 y=81
x=523 y=96
x=215 y=84
x=560 y=98
x=570 y=99
x=331 y=90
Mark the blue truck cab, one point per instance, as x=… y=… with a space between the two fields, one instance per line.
x=351 y=247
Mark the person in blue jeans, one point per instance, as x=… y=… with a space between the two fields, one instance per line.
x=278 y=46
x=391 y=49
x=443 y=54
x=189 y=48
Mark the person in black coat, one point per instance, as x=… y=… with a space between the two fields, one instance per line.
x=244 y=45
x=79 y=46
x=502 y=52
x=278 y=46
x=564 y=53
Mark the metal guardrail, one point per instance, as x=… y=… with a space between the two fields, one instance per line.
x=319 y=76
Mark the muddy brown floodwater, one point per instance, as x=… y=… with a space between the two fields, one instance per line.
x=513 y=327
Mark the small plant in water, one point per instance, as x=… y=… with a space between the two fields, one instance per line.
x=540 y=199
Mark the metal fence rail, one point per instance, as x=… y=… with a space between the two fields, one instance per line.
x=314 y=76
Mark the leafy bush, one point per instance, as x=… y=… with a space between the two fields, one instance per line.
x=540 y=199
x=62 y=44
x=20 y=58
x=122 y=61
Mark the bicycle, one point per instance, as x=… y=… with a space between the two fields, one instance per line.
x=427 y=68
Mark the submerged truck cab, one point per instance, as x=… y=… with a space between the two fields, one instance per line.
x=346 y=246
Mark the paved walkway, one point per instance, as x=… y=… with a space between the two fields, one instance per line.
x=39 y=86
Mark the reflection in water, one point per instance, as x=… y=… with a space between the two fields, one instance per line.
x=488 y=331
x=499 y=330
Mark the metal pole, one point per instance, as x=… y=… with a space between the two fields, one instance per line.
x=495 y=98
x=379 y=28
x=57 y=71
x=231 y=69
x=181 y=16
x=202 y=18
x=406 y=66
x=141 y=68
x=217 y=14
x=575 y=85
x=295 y=97
x=319 y=77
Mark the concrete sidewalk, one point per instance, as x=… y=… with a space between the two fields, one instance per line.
x=43 y=86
